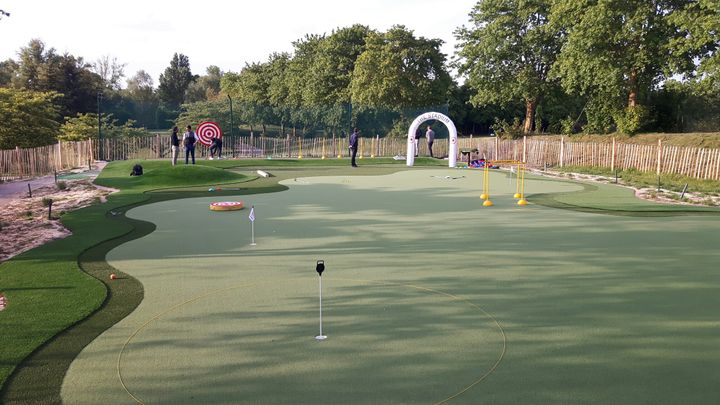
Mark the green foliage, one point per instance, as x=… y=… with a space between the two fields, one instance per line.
x=504 y=129
x=7 y=72
x=632 y=119
x=29 y=118
x=46 y=202
x=85 y=126
x=42 y=69
x=508 y=51
x=175 y=81
x=61 y=185
x=567 y=126
x=206 y=87
x=398 y=70
x=699 y=37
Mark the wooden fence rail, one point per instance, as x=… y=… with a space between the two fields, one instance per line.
x=700 y=163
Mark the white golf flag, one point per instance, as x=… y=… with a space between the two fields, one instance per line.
x=252 y=214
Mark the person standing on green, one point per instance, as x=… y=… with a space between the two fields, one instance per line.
x=174 y=145
x=189 y=140
x=354 y=146
x=430 y=136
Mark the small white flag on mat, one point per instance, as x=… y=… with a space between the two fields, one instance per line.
x=252 y=214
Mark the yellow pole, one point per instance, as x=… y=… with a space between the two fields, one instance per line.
x=486 y=186
x=323 y=149
x=361 y=141
x=372 y=147
x=517 y=183
x=522 y=200
x=300 y=143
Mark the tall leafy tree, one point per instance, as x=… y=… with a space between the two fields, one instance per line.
x=206 y=87
x=618 y=50
x=140 y=86
x=398 y=70
x=506 y=53
x=303 y=112
x=175 y=81
x=328 y=81
x=29 y=118
x=249 y=89
x=32 y=61
x=278 y=87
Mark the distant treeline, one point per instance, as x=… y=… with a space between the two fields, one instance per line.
x=543 y=66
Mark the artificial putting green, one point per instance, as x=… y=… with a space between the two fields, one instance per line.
x=428 y=296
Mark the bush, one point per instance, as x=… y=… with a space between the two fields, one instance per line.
x=46 y=202
x=61 y=185
x=567 y=126
x=632 y=119
x=503 y=129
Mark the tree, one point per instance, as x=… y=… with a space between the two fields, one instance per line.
x=249 y=89
x=327 y=88
x=8 y=70
x=616 y=51
x=140 y=87
x=699 y=26
x=110 y=71
x=29 y=118
x=206 y=87
x=42 y=69
x=85 y=126
x=175 y=81
x=398 y=70
x=33 y=58
x=507 y=53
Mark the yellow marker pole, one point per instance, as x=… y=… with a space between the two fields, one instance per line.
x=300 y=143
x=323 y=148
x=486 y=186
x=338 y=149
x=361 y=142
x=522 y=200
x=517 y=183
x=372 y=148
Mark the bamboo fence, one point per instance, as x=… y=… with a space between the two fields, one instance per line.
x=701 y=163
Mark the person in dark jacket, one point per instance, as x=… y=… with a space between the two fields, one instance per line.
x=174 y=145
x=354 y=137
x=189 y=140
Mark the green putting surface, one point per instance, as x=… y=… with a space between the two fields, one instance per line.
x=427 y=296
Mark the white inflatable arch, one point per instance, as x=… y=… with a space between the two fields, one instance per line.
x=452 y=150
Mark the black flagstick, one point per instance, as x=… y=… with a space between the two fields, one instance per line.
x=320 y=267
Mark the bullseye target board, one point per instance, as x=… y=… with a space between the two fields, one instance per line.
x=208 y=130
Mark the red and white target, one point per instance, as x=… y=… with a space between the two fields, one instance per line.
x=3 y=302
x=208 y=130
x=226 y=206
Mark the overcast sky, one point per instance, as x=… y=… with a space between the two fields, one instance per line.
x=145 y=34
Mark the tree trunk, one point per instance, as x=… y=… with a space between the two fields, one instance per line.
x=263 y=131
x=530 y=106
x=632 y=88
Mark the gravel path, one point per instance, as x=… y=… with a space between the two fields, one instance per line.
x=17 y=189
